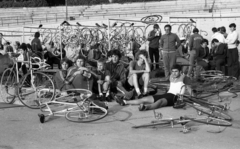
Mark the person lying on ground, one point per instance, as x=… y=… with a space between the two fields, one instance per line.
x=157 y=101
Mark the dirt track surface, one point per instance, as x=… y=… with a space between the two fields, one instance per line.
x=21 y=129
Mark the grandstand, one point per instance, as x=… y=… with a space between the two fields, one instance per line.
x=177 y=8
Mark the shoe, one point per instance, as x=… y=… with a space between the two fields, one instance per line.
x=179 y=104
x=140 y=96
x=142 y=107
x=120 y=101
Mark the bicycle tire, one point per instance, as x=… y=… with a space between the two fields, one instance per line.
x=212 y=121
x=158 y=123
x=215 y=114
x=8 y=86
x=27 y=93
x=93 y=114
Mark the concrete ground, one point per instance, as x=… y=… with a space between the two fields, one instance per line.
x=21 y=129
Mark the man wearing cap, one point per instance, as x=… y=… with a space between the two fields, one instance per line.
x=169 y=43
x=195 y=46
x=153 y=38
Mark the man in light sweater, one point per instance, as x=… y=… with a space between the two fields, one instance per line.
x=169 y=44
x=232 y=54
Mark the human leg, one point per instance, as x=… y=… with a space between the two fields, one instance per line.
x=145 y=78
x=166 y=64
x=172 y=60
x=144 y=100
x=156 y=56
x=158 y=104
x=133 y=81
x=219 y=63
x=150 y=51
x=191 y=62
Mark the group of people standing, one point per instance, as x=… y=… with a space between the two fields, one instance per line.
x=194 y=52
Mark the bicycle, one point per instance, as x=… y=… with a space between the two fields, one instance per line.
x=32 y=82
x=75 y=105
x=183 y=120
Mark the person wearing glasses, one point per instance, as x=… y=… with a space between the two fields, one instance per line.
x=157 y=101
x=169 y=44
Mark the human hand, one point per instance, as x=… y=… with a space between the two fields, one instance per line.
x=100 y=81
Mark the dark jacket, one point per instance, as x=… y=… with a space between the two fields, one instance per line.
x=220 y=52
x=117 y=71
x=153 y=40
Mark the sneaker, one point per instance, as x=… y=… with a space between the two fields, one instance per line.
x=120 y=101
x=140 y=96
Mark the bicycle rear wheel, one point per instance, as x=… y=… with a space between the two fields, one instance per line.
x=212 y=121
x=93 y=113
x=8 y=86
x=157 y=123
x=212 y=113
x=36 y=87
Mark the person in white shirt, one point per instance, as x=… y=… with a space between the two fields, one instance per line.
x=232 y=54
x=219 y=36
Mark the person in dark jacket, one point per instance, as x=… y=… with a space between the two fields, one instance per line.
x=153 y=38
x=219 y=55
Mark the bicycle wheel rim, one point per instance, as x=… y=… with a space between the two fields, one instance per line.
x=212 y=121
x=158 y=123
x=8 y=88
x=213 y=113
x=42 y=89
x=93 y=114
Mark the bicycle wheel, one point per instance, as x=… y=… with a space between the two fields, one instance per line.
x=36 y=87
x=212 y=121
x=152 y=124
x=8 y=86
x=216 y=113
x=92 y=113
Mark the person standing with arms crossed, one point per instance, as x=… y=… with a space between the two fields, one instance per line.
x=153 y=38
x=169 y=44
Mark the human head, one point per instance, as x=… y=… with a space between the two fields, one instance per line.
x=204 y=43
x=141 y=53
x=116 y=56
x=214 y=30
x=65 y=64
x=176 y=70
x=183 y=40
x=155 y=27
x=215 y=42
x=29 y=47
x=16 y=45
x=232 y=27
x=9 y=50
x=37 y=35
x=168 y=28
x=100 y=65
x=223 y=30
x=195 y=30
x=23 y=48
x=80 y=62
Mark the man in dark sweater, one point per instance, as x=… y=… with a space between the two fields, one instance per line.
x=153 y=38
x=195 y=45
x=219 y=55
x=169 y=44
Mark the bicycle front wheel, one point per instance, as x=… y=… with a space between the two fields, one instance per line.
x=212 y=113
x=212 y=121
x=93 y=113
x=8 y=86
x=35 y=88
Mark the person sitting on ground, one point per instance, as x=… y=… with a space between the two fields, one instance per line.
x=182 y=55
x=60 y=77
x=118 y=74
x=139 y=73
x=50 y=57
x=158 y=101
x=102 y=81
x=219 y=55
x=79 y=76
